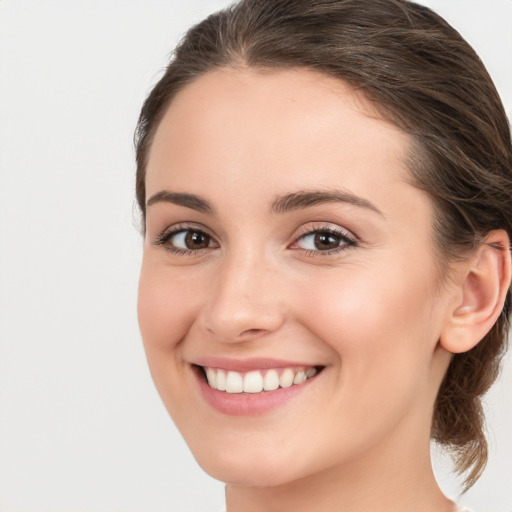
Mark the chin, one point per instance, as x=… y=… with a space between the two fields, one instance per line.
x=253 y=476
x=250 y=471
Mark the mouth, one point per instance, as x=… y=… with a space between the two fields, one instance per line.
x=260 y=381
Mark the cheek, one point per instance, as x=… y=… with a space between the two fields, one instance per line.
x=367 y=305
x=383 y=352
x=166 y=308
x=381 y=327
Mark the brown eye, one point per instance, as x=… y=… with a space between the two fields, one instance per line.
x=327 y=241
x=186 y=241
x=195 y=240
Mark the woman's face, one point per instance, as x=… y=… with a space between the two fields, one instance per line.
x=284 y=244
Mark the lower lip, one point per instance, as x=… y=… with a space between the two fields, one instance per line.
x=249 y=404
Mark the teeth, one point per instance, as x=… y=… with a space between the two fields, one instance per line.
x=286 y=379
x=300 y=377
x=211 y=375
x=258 y=380
x=271 y=380
x=253 y=382
x=234 y=383
x=220 y=381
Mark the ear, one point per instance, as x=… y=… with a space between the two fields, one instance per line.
x=481 y=291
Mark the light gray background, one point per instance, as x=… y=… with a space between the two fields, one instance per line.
x=81 y=427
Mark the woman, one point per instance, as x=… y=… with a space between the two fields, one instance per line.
x=325 y=188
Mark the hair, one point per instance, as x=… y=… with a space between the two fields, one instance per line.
x=424 y=78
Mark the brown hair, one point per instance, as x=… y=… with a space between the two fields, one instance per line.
x=422 y=77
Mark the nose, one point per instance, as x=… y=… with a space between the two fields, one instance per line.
x=245 y=300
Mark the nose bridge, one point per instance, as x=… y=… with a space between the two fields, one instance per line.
x=244 y=301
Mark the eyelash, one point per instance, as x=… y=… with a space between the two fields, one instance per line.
x=347 y=239
x=163 y=240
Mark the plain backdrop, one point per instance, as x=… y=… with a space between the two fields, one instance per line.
x=81 y=426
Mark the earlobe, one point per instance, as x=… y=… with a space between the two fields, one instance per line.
x=483 y=289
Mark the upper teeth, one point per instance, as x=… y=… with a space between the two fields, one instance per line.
x=258 y=380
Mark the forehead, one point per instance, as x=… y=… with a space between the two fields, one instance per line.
x=245 y=126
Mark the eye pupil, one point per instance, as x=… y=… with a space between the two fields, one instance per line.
x=195 y=240
x=326 y=241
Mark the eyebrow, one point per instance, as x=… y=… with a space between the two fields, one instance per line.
x=282 y=204
x=181 y=199
x=307 y=198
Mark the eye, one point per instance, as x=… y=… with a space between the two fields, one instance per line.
x=327 y=240
x=181 y=240
x=191 y=240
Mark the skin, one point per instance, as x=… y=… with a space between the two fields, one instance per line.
x=371 y=313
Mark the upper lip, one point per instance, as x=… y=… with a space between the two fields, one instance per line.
x=247 y=365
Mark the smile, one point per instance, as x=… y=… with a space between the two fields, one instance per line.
x=257 y=381
x=252 y=386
